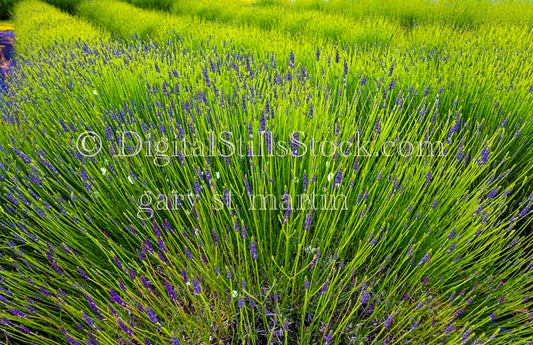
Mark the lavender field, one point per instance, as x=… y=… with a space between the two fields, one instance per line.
x=266 y=172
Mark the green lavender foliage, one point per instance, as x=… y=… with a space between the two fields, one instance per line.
x=164 y=5
x=40 y=26
x=335 y=17
x=441 y=44
x=68 y=6
x=460 y=13
x=432 y=249
x=6 y=7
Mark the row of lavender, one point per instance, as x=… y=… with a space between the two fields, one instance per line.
x=154 y=241
x=6 y=52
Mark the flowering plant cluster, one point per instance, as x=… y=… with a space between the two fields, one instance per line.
x=434 y=248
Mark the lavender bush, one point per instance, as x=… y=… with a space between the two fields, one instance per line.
x=121 y=224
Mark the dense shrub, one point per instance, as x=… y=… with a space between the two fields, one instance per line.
x=39 y=25
x=423 y=248
x=455 y=12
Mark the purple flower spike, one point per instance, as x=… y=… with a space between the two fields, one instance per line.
x=253 y=250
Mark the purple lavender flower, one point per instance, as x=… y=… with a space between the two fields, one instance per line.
x=308 y=220
x=148 y=244
x=215 y=238
x=339 y=178
x=327 y=340
x=484 y=157
x=113 y=311
x=459 y=312
x=452 y=296
x=452 y=233
x=452 y=247
x=125 y=328
x=365 y=297
x=145 y=283
x=415 y=325
x=449 y=329
x=121 y=285
x=80 y=271
x=91 y=303
x=466 y=336
x=170 y=290
x=324 y=288
x=253 y=250
x=116 y=298
x=388 y=321
x=89 y=321
x=152 y=316
x=424 y=259
x=345 y=73
x=197 y=287
x=69 y=338
x=156 y=229
x=243 y=232
x=118 y=262
x=295 y=143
